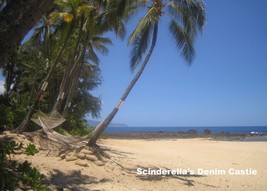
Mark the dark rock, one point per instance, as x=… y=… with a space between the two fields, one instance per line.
x=207 y=131
x=192 y=131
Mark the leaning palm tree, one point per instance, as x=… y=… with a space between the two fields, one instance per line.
x=187 y=18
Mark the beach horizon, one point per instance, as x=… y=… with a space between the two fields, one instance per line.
x=222 y=136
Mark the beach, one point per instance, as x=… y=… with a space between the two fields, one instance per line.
x=162 y=164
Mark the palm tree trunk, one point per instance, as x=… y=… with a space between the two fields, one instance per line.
x=102 y=126
x=73 y=82
x=16 y=20
x=68 y=72
x=74 y=78
x=72 y=90
x=9 y=75
x=25 y=123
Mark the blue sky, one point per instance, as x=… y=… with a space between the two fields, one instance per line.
x=225 y=86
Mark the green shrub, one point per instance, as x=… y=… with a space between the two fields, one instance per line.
x=31 y=149
x=14 y=174
x=75 y=126
x=11 y=115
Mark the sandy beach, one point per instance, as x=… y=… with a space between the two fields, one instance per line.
x=184 y=164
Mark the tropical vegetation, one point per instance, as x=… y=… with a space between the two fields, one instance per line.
x=58 y=66
x=16 y=19
x=16 y=174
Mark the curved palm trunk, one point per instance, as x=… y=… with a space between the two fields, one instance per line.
x=102 y=126
x=25 y=123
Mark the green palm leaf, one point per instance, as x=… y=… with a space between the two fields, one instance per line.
x=140 y=45
x=147 y=20
x=184 y=41
x=195 y=9
x=140 y=38
x=85 y=10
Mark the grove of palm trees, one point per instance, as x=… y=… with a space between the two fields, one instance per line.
x=56 y=67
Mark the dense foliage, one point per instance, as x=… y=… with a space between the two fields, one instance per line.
x=11 y=114
x=14 y=174
x=65 y=41
x=58 y=66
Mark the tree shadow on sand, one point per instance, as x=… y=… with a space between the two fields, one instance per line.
x=187 y=179
x=118 y=154
x=73 y=181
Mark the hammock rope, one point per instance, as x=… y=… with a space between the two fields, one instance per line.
x=50 y=121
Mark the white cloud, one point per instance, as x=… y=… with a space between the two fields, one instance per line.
x=2 y=87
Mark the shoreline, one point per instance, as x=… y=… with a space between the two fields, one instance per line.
x=247 y=137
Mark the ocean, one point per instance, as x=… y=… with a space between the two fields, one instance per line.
x=215 y=129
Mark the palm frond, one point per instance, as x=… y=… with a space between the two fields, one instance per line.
x=85 y=10
x=55 y=16
x=62 y=4
x=117 y=8
x=120 y=29
x=140 y=38
x=150 y=17
x=134 y=7
x=184 y=41
x=91 y=55
x=182 y=16
x=195 y=10
x=140 y=46
x=102 y=40
x=101 y=48
x=115 y=13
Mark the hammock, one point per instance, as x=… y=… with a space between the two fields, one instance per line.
x=50 y=121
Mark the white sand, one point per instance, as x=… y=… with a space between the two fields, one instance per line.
x=119 y=173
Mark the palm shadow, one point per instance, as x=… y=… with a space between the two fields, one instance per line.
x=187 y=178
x=119 y=154
x=72 y=181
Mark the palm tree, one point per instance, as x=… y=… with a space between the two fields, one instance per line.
x=77 y=22
x=187 y=18
x=71 y=11
x=84 y=43
x=68 y=32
